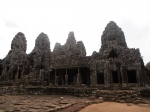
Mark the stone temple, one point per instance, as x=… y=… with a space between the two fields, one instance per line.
x=115 y=65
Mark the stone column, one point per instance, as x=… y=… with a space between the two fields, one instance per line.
x=48 y=77
x=93 y=78
x=56 y=78
x=106 y=78
x=78 y=77
x=40 y=77
x=93 y=75
x=66 y=78
x=41 y=74
x=123 y=76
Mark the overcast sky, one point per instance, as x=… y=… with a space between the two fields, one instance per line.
x=87 y=18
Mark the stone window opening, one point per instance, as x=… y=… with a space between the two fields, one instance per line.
x=85 y=75
x=72 y=73
x=14 y=74
x=19 y=74
x=131 y=74
x=7 y=69
x=112 y=54
x=51 y=78
x=61 y=76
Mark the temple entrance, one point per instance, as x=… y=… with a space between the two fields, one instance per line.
x=112 y=54
x=72 y=76
x=14 y=74
x=115 y=77
x=85 y=76
x=131 y=74
x=1 y=69
x=19 y=74
x=51 y=78
x=100 y=78
x=7 y=69
x=61 y=76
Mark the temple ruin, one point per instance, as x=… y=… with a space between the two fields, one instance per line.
x=115 y=65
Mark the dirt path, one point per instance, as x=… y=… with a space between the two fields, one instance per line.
x=116 y=107
x=57 y=103
x=41 y=103
x=74 y=108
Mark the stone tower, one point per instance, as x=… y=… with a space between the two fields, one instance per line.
x=81 y=51
x=40 y=56
x=70 y=49
x=14 y=62
x=112 y=39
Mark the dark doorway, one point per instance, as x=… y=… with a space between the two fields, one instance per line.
x=85 y=76
x=61 y=76
x=19 y=75
x=100 y=78
x=51 y=78
x=112 y=54
x=115 y=78
x=14 y=74
x=7 y=69
x=1 y=70
x=72 y=76
x=132 y=76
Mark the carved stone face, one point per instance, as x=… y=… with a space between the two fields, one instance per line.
x=112 y=37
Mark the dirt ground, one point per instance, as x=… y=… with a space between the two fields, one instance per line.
x=60 y=103
x=116 y=107
x=40 y=103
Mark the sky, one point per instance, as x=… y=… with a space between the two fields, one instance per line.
x=87 y=18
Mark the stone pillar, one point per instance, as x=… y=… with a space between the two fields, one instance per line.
x=78 y=77
x=66 y=78
x=48 y=77
x=138 y=77
x=56 y=78
x=40 y=77
x=93 y=78
x=41 y=74
x=93 y=75
x=106 y=78
x=123 y=76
